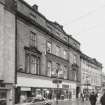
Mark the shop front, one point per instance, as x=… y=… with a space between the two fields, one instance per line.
x=42 y=87
x=3 y=96
x=6 y=95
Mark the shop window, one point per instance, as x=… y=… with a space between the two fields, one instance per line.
x=49 y=68
x=49 y=47
x=3 y=97
x=32 y=39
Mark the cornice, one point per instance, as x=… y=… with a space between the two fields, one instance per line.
x=32 y=8
x=33 y=49
x=50 y=22
x=50 y=55
x=91 y=60
x=27 y=19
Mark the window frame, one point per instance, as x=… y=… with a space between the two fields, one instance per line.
x=33 y=39
x=57 y=52
x=47 y=49
x=65 y=53
x=49 y=62
x=29 y=71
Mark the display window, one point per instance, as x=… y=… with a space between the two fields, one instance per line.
x=3 y=97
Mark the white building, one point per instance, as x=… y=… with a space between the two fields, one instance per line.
x=91 y=71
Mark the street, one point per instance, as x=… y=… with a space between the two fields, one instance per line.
x=69 y=102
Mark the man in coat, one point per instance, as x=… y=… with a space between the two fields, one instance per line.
x=93 y=98
x=102 y=100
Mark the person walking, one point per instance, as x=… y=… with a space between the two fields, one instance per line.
x=82 y=97
x=93 y=98
x=102 y=99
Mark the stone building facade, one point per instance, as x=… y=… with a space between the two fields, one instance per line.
x=91 y=73
x=43 y=49
x=35 y=52
x=7 y=52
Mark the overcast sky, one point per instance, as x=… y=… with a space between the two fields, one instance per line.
x=84 y=19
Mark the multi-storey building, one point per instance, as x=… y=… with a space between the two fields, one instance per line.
x=43 y=49
x=7 y=52
x=91 y=71
x=35 y=52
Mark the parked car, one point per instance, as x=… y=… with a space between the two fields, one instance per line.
x=36 y=101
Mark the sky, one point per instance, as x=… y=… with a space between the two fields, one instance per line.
x=83 y=19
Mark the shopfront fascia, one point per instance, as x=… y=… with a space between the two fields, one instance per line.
x=35 y=86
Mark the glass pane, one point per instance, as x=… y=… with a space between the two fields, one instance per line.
x=3 y=95
x=33 y=39
x=27 y=63
x=49 y=47
x=33 y=65
x=49 y=69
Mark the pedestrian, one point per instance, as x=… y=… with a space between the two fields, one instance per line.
x=99 y=95
x=82 y=97
x=93 y=98
x=102 y=99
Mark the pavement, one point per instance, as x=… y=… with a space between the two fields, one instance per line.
x=71 y=102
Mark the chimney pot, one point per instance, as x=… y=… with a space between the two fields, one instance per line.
x=35 y=7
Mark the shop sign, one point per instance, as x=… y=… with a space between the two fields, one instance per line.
x=98 y=87
x=65 y=86
x=25 y=89
x=57 y=81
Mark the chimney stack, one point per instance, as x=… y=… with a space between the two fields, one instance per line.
x=35 y=7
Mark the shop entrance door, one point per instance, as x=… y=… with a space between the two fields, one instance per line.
x=3 y=97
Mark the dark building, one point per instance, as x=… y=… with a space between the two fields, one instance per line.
x=91 y=73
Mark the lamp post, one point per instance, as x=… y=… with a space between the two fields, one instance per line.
x=57 y=81
x=87 y=84
x=57 y=70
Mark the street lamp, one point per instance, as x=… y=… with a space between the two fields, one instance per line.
x=57 y=70
x=87 y=82
x=57 y=81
